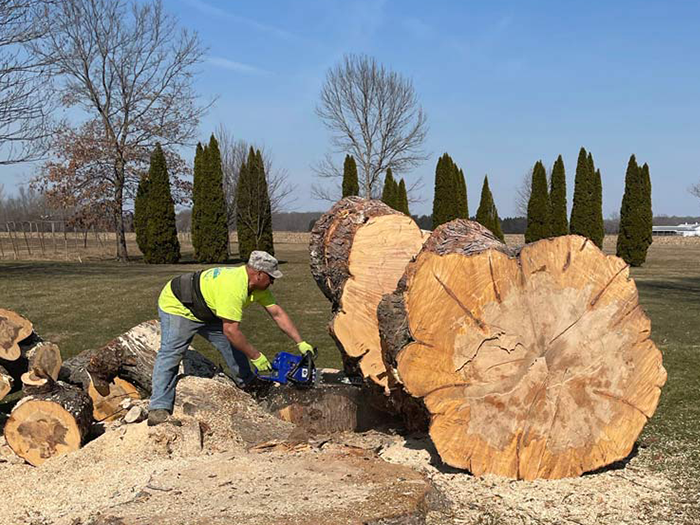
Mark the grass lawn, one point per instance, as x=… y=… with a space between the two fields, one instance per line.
x=82 y=306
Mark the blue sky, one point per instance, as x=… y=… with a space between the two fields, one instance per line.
x=503 y=84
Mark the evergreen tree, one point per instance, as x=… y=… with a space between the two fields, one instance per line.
x=266 y=242
x=539 y=220
x=632 y=239
x=580 y=223
x=402 y=200
x=141 y=214
x=351 y=185
x=648 y=212
x=487 y=214
x=461 y=201
x=598 y=230
x=210 y=222
x=389 y=191
x=198 y=194
x=446 y=199
x=161 y=231
x=557 y=196
x=253 y=209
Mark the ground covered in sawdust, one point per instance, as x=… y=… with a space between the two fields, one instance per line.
x=254 y=469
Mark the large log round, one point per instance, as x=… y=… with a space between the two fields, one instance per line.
x=532 y=365
x=50 y=423
x=13 y=329
x=359 y=251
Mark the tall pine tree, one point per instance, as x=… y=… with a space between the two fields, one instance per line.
x=161 y=231
x=648 y=212
x=402 y=199
x=443 y=195
x=211 y=220
x=632 y=238
x=598 y=229
x=462 y=210
x=351 y=185
x=141 y=214
x=487 y=214
x=539 y=220
x=557 y=197
x=580 y=223
x=390 y=189
x=253 y=208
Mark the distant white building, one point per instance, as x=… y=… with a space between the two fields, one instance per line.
x=684 y=230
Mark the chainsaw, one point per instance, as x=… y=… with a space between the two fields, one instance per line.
x=288 y=368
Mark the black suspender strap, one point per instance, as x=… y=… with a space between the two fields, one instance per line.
x=186 y=288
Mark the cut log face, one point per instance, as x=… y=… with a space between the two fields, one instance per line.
x=359 y=251
x=13 y=329
x=42 y=426
x=535 y=366
x=6 y=382
x=109 y=408
x=45 y=360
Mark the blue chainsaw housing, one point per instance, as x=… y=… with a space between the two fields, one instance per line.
x=291 y=368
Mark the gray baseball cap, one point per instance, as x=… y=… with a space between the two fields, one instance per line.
x=264 y=262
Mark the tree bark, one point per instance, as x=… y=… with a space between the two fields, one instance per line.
x=48 y=423
x=358 y=252
x=534 y=363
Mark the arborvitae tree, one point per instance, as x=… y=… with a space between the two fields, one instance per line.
x=211 y=220
x=141 y=214
x=557 y=197
x=580 y=223
x=351 y=185
x=253 y=209
x=598 y=230
x=487 y=214
x=461 y=200
x=266 y=242
x=539 y=220
x=632 y=239
x=648 y=212
x=389 y=191
x=198 y=194
x=161 y=231
x=245 y=217
x=443 y=189
x=402 y=199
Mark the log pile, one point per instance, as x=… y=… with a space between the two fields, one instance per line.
x=529 y=363
x=358 y=252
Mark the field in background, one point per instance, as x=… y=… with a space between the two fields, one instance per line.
x=84 y=305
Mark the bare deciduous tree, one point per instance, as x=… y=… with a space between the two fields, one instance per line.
x=695 y=190
x=130 y=68
x=233 y=153
x=24 y=107
x=374 y=115
x=522 y=194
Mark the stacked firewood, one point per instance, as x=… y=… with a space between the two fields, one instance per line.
x=529 y=362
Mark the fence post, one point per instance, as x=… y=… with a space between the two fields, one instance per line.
x=53 y=236
x=2 y=250
x=41 y=238
x=15 y=248
x=26 y=241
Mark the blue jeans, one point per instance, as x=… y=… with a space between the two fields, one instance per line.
x=176 y=335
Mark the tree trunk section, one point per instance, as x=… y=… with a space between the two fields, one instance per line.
x=358 y=251
x=48 y=424
x=531 y=364
x=109 y=407
x=43 y=363
x=13 y=329
x=6 y=382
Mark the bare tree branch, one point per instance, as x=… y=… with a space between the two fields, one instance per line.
x=130 y=68
x=233 y=153
x=24 y=106
x=695 y=190
x=373 y=115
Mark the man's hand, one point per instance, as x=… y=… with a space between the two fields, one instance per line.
x=261 y=363
x=304 y=347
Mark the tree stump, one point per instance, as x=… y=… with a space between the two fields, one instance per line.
x=535 y=364
x=359 y=250
x=52 y=421
x=44 y=363
x=13 y=329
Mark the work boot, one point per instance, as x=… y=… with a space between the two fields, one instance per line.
x=157 y=416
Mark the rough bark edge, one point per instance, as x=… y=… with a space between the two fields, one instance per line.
x=329 y=261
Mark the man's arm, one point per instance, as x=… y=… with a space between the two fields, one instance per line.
x=232 y=331
x=284 y=322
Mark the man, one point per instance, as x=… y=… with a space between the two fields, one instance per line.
x=211 y=303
